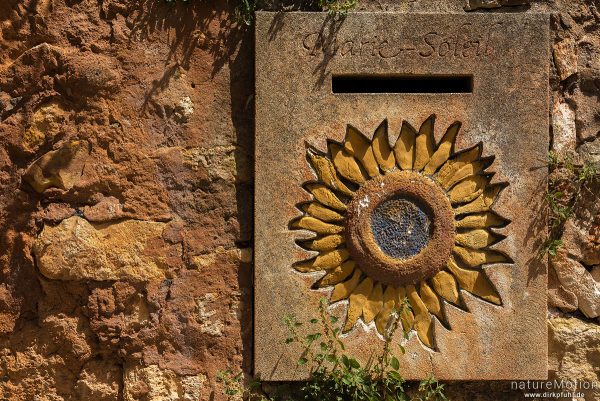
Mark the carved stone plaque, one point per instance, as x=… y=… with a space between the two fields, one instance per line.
x=401 y=160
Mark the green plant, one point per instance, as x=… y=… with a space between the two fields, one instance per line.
x=551 y=246
x=335 y=375
x=559 y=213
x=244 y=12
x=337 y=7
x=562 y=205
x=234 y=388
x=553 y=159
x=588 y=172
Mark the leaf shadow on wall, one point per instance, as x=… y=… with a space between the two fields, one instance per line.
x=210 y=27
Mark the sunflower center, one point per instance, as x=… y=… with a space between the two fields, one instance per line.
x=400 y=227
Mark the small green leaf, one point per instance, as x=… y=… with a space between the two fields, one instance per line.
x=395 y=376
x=394 y=363
x=302 y=361
x=346 y=361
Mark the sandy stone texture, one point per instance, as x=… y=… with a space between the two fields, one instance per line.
x=125 y=188
x=128 y=250
x=163 y=94
x=303 y=111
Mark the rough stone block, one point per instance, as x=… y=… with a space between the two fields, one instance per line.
x=401 y=158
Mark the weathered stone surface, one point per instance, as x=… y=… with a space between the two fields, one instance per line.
x=559 y=296
x=565 y=58
x=106 y=209
x=574 y=351
x=174 y=101
x=587 y=120
x=137 y=159
x=296 y=109
x=59 y=168
x=575 y=278
x=90 y=75
x=588 y=85
x=99 y=380
x=486 y=4
x=46 y=124
x=151 y=383
x=78 y=250
x=209 y=324
x=591 y=150
x=578 y=240
x=563 y=127
x=242 y=255
x=103 y=72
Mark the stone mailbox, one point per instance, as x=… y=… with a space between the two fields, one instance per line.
x=401 y=158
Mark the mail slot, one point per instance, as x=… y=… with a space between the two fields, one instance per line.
x=401 y=158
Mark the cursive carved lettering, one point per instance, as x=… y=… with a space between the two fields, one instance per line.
x=463 y=42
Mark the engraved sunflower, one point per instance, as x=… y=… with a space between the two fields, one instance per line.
x=410 y=221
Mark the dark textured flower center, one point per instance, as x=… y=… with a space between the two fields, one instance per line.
x=400 y=227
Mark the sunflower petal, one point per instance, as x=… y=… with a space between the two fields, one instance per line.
x=406 y=316
x=469 y=169
x=423 y=323
x=326 y=243
x=307 y=266
x=481 y=220
x=483 y=202
x=358 y=299
x=404 y=149
x=476 y=257
x=331 y=259
x=344 y=289
x=324 y=261
x=424 y=144
x=459 y=161
x=381 y=148
x=359 y=146
x=431 y=300
x=316 y=225
x=469 y=189
x=320 y=212
x=337 y=275
x=346 y=164
x=475 y=282
x=326 y=173
x=389 y=300
x=445 y=285
x=477 y=238
x=373 y=304
x=325 y=196
x=444 y=150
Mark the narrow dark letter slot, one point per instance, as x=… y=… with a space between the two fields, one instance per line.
x=402 y=84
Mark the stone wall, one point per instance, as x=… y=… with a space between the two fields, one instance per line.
x=126 y=197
